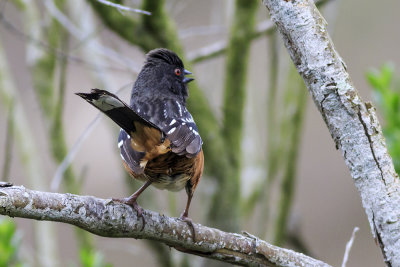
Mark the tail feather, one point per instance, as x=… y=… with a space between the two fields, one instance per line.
x=116 y=109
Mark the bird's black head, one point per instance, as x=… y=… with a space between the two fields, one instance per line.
x=163 y=75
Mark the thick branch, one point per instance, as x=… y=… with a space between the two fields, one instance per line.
x=105 y=218
x=352 y=123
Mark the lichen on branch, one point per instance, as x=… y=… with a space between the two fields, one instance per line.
x=110 y=219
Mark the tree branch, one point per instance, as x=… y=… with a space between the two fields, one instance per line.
x=105 y=218
x=352 y=123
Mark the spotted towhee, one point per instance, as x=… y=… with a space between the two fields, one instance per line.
x=159 y=141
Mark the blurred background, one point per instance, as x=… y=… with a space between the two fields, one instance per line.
x=271 y=167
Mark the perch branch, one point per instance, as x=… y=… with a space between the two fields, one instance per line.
x=352 y=123
x=106 y=218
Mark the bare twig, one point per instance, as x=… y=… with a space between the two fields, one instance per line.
x=55 y=182
x=59 y=54
x=348 y=246
x=105 y=218
x=77 y=33
x=353 y=124
x=209 y=51
x=124 y=8
x=219 y=48
x=201 y=30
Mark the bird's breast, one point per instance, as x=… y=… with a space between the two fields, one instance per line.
x=171 y=183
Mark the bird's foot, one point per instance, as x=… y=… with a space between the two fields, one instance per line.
x=190 y=224
x=133 y=203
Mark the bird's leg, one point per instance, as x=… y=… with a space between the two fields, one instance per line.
x=131 y=201
x=184 y=216
x=185 y=213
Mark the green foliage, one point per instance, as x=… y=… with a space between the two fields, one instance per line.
x=9 y=244
x=387 y=95
x=92 y=258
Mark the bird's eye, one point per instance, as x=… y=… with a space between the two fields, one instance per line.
x=178 y=72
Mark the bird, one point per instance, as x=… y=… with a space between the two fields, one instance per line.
x=159 y=141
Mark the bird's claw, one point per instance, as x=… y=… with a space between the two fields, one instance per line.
x=190 y=224
x=133 y=203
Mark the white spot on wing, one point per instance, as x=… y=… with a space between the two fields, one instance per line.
x=172 y=130
x=188 y=118
x=172 y=122
x=122 y=157
x=120 y=143
x=179 y=107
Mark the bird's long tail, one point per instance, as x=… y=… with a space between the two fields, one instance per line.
x=116 y=109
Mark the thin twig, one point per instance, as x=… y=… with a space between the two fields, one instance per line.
x=201 y=31
x=218 y=48
x=348 y=246
x=110 y=219
x=77 y=33
x=57 y=178
x=59 y=54
x=124 y=8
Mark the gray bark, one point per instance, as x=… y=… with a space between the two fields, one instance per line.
x=106 y=218
x=352 y=123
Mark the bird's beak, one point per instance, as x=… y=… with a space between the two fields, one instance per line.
x=187 y=79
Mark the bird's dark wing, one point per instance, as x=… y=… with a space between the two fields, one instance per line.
x=130 y=156
x=175 y=121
